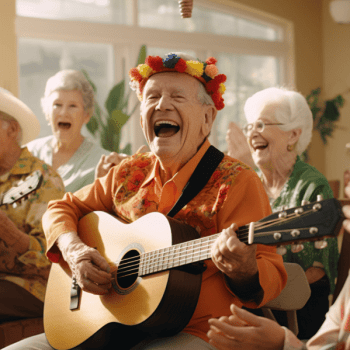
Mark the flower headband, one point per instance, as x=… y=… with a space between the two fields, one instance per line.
x=206 y=72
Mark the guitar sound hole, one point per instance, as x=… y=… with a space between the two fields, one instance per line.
x=128 y=269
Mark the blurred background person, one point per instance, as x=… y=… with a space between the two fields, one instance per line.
x=24 y=268
x=279 y=130
x=68 y=104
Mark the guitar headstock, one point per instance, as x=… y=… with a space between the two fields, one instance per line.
x=309 y=222
x=23 y=189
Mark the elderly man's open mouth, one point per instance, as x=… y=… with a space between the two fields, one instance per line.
x=165 y=128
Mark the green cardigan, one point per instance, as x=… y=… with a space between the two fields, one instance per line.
x=306 y=182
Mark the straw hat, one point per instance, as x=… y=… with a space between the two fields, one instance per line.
x=22 y=113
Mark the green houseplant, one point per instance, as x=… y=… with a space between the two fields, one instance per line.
x=325 y=114
x=107 y=124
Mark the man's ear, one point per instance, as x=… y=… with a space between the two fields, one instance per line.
x=294 y=136
x=209 y=118
x=13 y=129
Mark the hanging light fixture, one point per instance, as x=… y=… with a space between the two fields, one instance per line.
x=340 y=11
x=186 y=8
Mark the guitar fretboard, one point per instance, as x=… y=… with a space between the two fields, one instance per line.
x=176 y=255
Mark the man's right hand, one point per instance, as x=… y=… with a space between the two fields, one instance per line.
x=88 y=266
x=114 y=158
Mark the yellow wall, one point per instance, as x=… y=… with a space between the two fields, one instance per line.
x=336 y=53
x=8 y=47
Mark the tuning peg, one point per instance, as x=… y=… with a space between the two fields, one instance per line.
x=296 y=248
x=14 y=205
x=281 y=250
x=319 y=198
x=321 y=244
x=304 y=202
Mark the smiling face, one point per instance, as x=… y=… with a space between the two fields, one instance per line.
x=67 y=115
x=174 y=121
x=271 y=144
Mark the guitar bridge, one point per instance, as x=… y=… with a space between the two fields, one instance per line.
x=75 y=293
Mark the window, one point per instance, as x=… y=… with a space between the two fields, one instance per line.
x=103 y=37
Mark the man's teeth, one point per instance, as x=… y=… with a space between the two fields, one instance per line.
x=165 y=122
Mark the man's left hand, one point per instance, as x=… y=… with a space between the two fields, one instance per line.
x=234 y=258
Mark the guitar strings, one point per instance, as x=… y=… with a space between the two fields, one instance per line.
x=241 y=234
x=159 y=265
x=133 y=263
x=212 y=238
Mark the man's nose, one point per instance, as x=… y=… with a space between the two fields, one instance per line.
x=164 y=103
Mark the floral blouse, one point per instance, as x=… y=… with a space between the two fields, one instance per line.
x=27 y=217
x=305 y=183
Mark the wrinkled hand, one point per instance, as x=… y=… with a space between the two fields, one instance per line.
x=237 y=145
x=234 y=258
x=89 y=267
x=245 y=331
x=107 y=162
x=346 y=211
x=8 y=230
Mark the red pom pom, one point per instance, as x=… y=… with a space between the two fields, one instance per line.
x=212 y=86
x=218 y=100
x=220 y=78
x=135 y=74
x=155 y=62
x=211 y=60
x=180 y=66
x=142 y=85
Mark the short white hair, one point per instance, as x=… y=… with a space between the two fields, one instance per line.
x=291 y=110
x=69 y=79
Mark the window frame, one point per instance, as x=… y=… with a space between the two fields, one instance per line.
x=129 y=38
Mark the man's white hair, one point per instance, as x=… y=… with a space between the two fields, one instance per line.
x=291 y=110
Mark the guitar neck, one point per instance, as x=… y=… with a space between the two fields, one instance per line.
x=181 y=254
x=305 y=223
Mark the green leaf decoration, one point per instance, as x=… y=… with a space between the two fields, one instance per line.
x=115 y=99
x=325 y=114
x=92 y=125
x=108 y=123
x=87 y=76
x=331 y=111
x=142 y=55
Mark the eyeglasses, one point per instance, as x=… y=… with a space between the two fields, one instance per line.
x=259 y=126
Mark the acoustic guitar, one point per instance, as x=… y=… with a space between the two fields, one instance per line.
x=157 y=271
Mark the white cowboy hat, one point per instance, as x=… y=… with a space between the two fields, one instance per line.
x=22 y=113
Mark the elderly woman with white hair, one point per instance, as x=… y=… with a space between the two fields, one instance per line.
x=279 y=130
x=68 y=104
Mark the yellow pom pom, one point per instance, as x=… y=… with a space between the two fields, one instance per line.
x=222 y=88
x=145 y=70
x=194 y=68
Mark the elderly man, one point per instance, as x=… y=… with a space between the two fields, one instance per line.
x=24 y=267
x=180 y=98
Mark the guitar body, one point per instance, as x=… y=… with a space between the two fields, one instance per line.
x=160 y=303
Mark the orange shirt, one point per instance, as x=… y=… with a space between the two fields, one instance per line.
x=234 y=194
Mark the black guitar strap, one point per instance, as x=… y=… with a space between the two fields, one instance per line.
x=198 y=179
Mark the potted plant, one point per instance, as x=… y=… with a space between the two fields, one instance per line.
x=109 y=122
